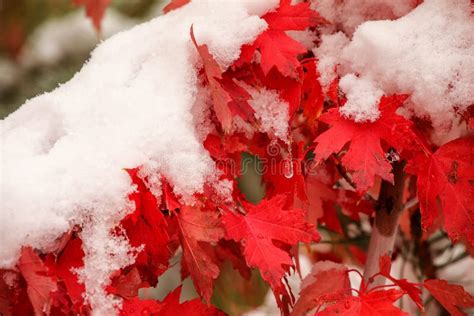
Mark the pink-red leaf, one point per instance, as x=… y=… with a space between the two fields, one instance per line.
x=40 y=284
x=453 y=297
x=327 y=281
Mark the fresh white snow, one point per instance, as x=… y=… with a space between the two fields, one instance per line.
x=428 y=53
x=63 y=153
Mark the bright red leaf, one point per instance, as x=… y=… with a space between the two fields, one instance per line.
x=365 y=157
x=276 y=47
x=262 y=226
x=446 y=176
x=139 y=307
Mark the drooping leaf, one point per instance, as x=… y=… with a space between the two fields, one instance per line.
x=197 y=228
x=228 y=98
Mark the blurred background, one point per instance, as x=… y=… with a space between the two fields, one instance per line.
x=44 y=42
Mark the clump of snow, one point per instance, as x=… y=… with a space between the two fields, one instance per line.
x=271 y=112
x=348 y=14
x=362 y=98
x=329 y=56
x=64 y=152
x=70 y=35
x=429 y=53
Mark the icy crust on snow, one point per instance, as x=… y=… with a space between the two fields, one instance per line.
x=63 y=153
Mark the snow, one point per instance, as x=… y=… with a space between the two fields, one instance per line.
x=362 y=98
x=348 y=14
x=428 y=53
x=271 y=112
x=64 y=152
x=329 y=56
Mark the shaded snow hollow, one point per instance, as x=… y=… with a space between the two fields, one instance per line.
x=63 y=153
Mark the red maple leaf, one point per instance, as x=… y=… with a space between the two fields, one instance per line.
x=276 y=47
x=40 y=283
x=127 y=285
x=446 y=176
x=139 y=307
x=197 y=228
x=312 y=97
x=375 y=303
x=228 y=98
x=365 y=156
x=453 y=297
x=95 y=10
x=175 y=4
x=71 y=258
x=385 y=265
x=261 y=228
x=326 y=282
x=172 y=307
x=146 y=226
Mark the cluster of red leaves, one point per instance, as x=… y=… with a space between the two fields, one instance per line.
x=328 y=175
x=328 y=287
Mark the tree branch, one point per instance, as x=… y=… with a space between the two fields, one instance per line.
x=388 y=209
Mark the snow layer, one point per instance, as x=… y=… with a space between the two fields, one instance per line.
x=63 y=153
x=346 y=15
x=429 y=53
